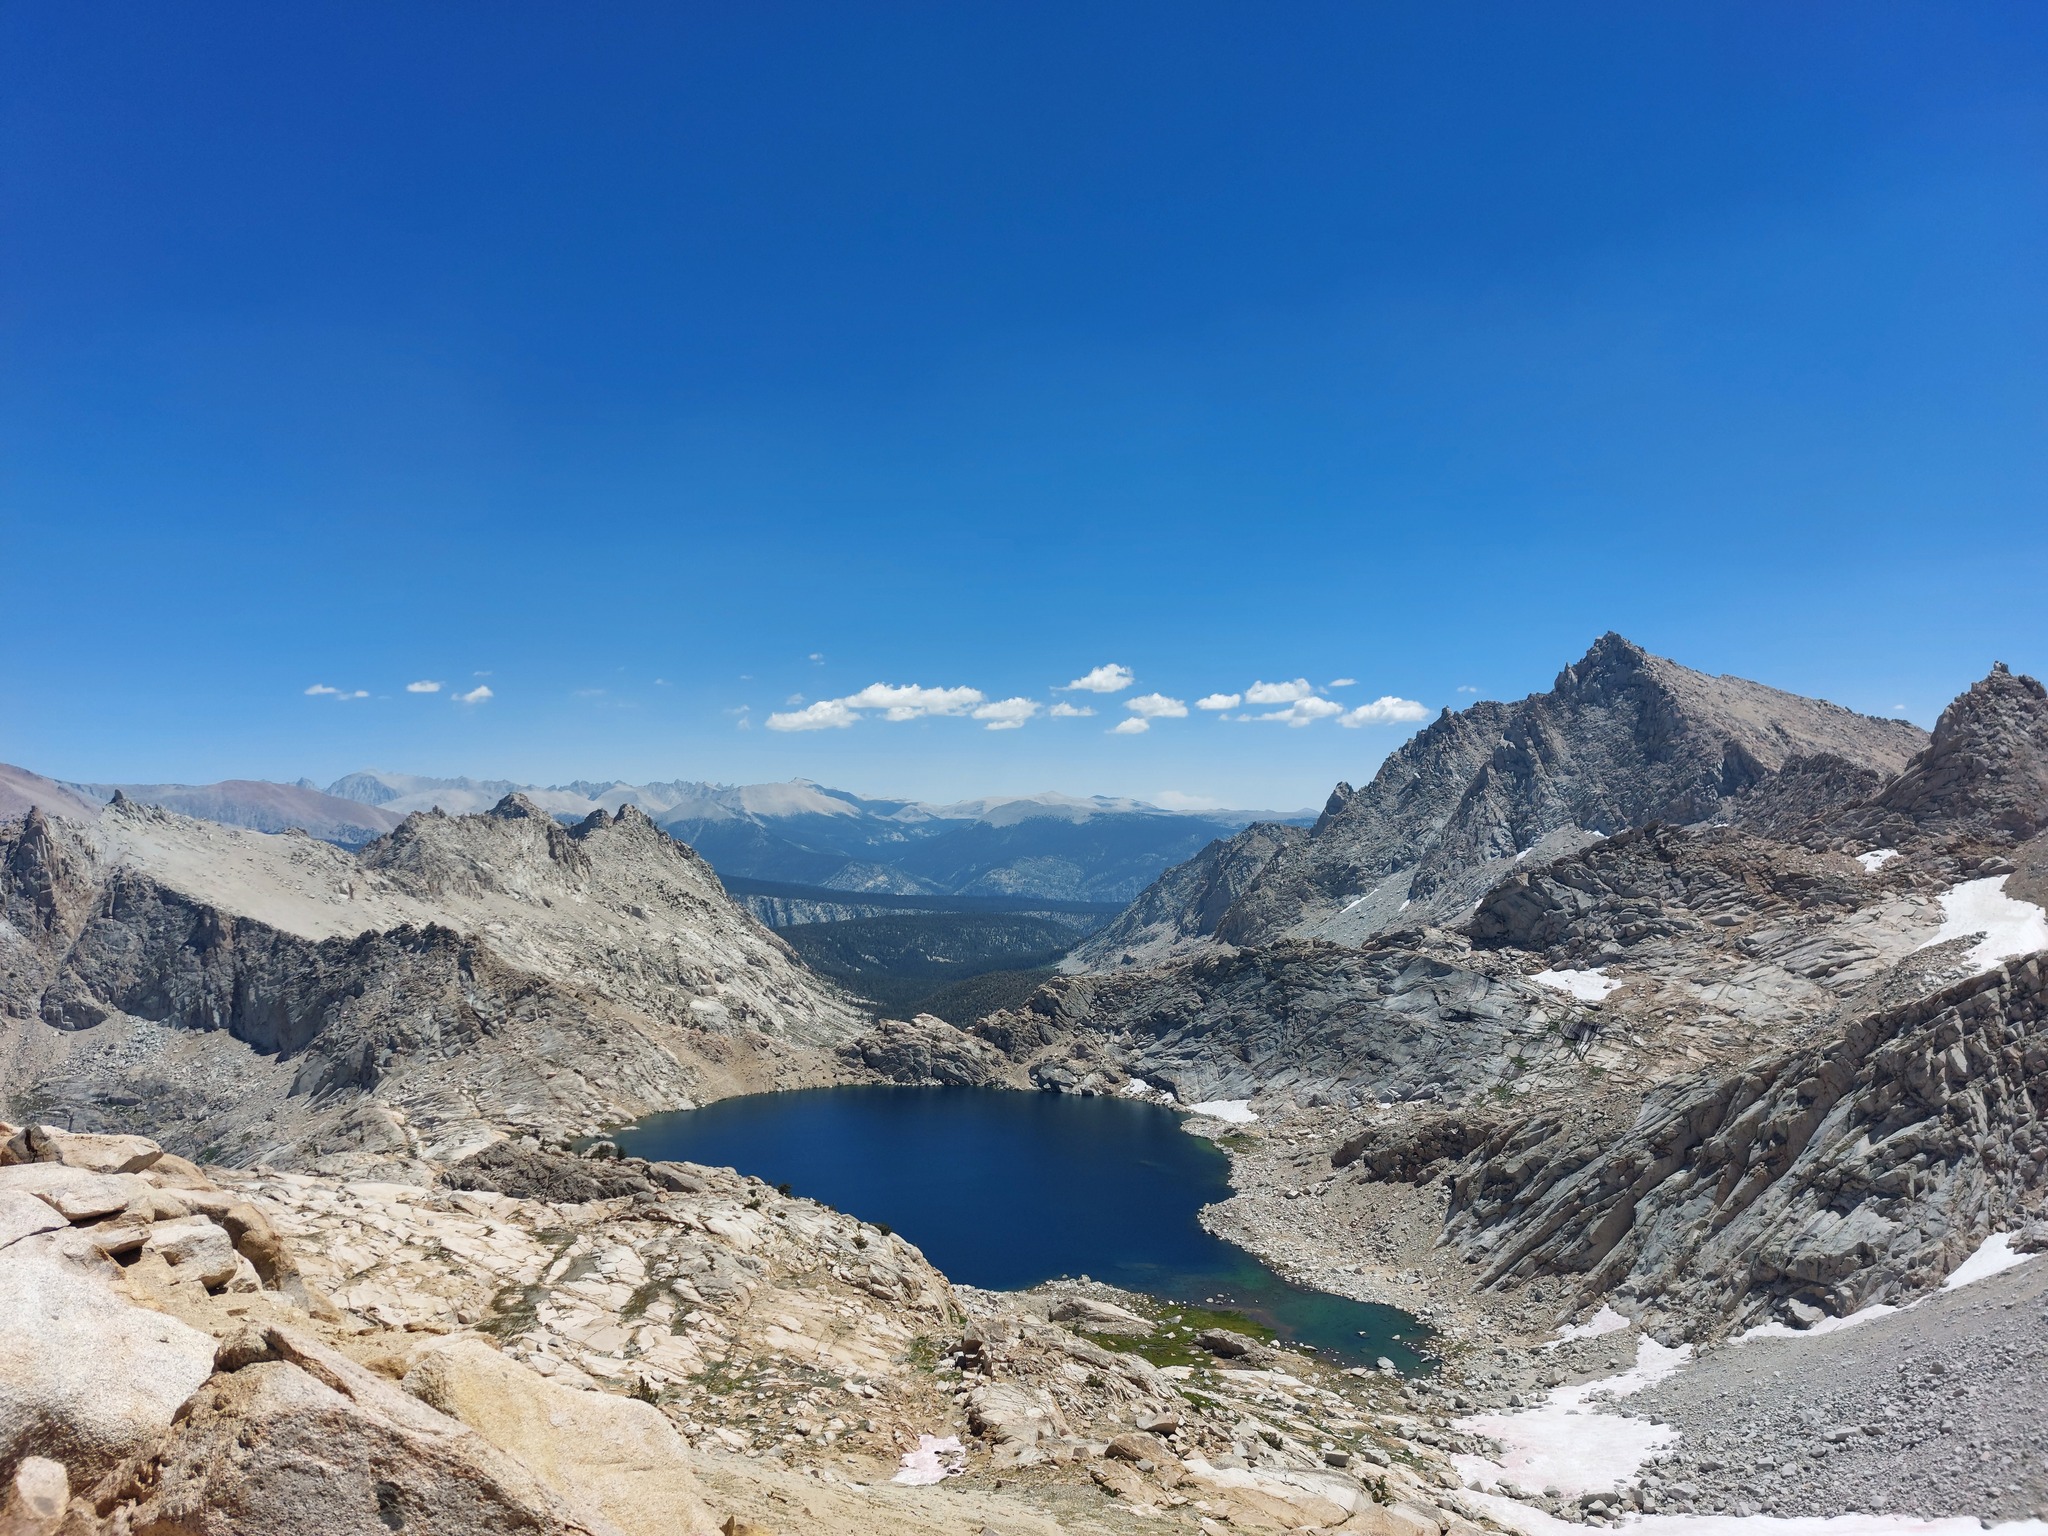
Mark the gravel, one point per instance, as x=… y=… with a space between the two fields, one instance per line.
x=1934 y=1411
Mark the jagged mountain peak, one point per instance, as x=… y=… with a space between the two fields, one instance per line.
x=1610 y=655
x=1624 y=737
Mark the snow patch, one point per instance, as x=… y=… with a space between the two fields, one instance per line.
x=1587 y=986
x=1605 y=1321
x=1877 y=858
x=1233 y=1111
x=1993 y=1256
x=2009 y=926
x=1136 y=1088
x=933 y=1461
x=1777 y=1330
x=1570 y=1444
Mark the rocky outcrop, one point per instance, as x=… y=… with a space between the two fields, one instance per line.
x=1983 y=775
x=622 y=1454
x=927 y=1051
x=1664 y=882
x=1324 y=1021
x=1859 y=1169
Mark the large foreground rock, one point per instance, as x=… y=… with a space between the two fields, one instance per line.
x=618 y=1455
x=86 y=1376
x=270 y=1449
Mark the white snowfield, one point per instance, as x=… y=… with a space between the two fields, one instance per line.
x=1876 y=859
x=1234 y=1111
x=1587 y=986
x=1568 y=1443
x=2009 y=926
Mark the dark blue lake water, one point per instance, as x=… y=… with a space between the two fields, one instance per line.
x=1003 y=1190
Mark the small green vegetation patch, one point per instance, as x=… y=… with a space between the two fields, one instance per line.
x=1173 y=1342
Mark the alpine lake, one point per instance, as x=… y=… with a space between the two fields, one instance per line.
x=1004 y=1190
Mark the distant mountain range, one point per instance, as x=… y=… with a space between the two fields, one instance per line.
x=1062 y=847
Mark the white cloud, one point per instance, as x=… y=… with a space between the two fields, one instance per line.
x=904 y=701
x=1131 y=727
x=1178 y=800
x=476 y=695
x=818 y=656
x=794 y=698
x=1466 y=688
x=1305 y=712
x=1387 y=710
x=1342 y=682
x=1110 y=677
x=1065 y=711
x=1220 y=701
x=909 y=702
x=1278 y=693
x=424 y=685
x=825 y=715
x=1006 y=714
x=1156 y=706
x=322 y=691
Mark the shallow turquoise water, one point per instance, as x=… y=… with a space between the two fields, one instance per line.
x=1004 y=1189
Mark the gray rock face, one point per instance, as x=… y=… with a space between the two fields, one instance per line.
x=1662 y=882
x=1188 y=901
x=1858 y=1169
x=928 y=1052
x=1622 y=739
x=1389 y=1022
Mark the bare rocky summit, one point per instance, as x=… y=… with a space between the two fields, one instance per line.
x=1622 y=739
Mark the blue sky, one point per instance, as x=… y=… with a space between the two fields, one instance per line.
x=653 y=366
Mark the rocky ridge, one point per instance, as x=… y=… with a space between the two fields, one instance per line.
x=276 y=997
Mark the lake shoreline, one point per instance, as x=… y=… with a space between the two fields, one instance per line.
x=1010 y=1189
